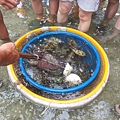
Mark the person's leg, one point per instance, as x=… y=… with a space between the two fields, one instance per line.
x=115 y=33
x=53 y=9
x=85 y=20
x=116 y=30
x=38 y=8
x=110 y=12
x=76 y=10
x=86 y=9
x=64 y=9
x=117 y=24
x=4 y=36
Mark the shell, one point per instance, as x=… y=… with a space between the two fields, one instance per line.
x=67 y=70
x=73 y=79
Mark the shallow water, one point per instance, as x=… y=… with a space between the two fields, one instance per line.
x=14 y=106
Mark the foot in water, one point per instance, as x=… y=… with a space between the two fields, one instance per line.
x=115 y=33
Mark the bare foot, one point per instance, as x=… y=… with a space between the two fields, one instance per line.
x=115 y=33
x=104 y=40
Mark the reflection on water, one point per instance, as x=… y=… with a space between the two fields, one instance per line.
x=14 y=106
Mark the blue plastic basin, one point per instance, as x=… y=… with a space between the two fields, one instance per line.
x=92 y=59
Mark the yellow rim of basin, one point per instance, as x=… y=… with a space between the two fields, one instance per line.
x=102 y=53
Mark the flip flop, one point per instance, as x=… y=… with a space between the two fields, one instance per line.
x=41 y=18
x=52 y=19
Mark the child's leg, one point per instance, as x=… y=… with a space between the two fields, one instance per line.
x=38 y=8
x=86 y=9
x=117 y=24
x=76 y=10
x=85 y=20
x=64 y=9
x=115 y=33
x=53 y=9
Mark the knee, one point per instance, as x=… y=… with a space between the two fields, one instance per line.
x=85 y=16
x=64 y=9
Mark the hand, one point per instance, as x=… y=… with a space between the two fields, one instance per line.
x=9 y=4
x=8 y=54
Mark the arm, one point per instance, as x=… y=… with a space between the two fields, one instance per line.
x=8 y=54
x=7 y=4
x=4 y=36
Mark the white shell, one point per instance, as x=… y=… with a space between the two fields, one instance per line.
x=67 y=70
x=73 y=79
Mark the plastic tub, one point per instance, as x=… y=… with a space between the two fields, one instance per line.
x=92 y=90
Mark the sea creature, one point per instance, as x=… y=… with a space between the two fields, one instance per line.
x=52 y=42
x=32 y=62
x=73 y=79
x=79 y=52
x=48 y=61
x=74 y=47
x=67 y=70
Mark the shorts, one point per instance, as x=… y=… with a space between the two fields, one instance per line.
x=89 y=5
x=68 y=0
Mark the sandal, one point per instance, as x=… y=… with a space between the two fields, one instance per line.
x=40 y=17
x=52 y=18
